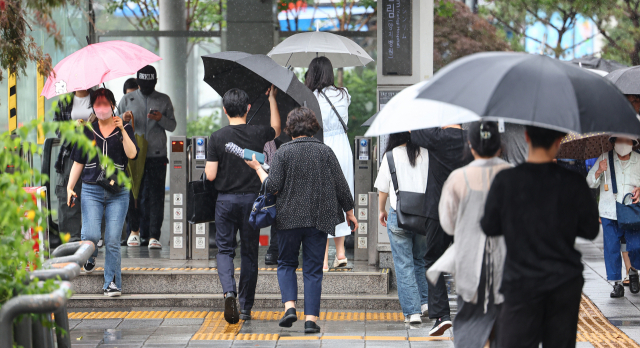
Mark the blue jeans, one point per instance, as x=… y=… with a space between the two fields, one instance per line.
x=408 y=250
x=313 y=243
x=612 y=234
x=96 y=201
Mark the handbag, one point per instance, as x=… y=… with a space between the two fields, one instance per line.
x=409 y=205
x=201 y=200
x=344 y=125
x=263 y=213
x=109 y=183
x=628 y=214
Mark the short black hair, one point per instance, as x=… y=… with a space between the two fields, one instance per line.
x=102 y=92
x=484 y=138
x=301 y=122
x=129 y=84
x=543 y=137
x=235 y=102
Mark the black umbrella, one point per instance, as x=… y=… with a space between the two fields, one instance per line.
x=255 y=73
x=369 y=121
x=627 y=79
x=532 y=90
x=592 y=62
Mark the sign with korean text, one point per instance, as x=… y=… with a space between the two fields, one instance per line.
x=396 y=37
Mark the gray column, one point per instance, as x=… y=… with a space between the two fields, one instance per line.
x=192 y=84
x=172 y=78
x=251 y=26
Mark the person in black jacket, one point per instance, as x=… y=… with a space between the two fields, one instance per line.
x=447 y=153
x=312 y=196
x=540 y=208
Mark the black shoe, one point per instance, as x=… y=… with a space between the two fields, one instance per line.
x=311 y=327
x=442 y=324
x=231 y=308
x=289 y=318
x=270 y=259
x=112 y=290
x=618 y=291
x=634 y=281
x=245 y=315
x=89 y=266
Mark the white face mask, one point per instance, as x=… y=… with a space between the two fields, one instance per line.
x=623 y=149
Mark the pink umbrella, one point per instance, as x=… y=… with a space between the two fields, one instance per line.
x=95 y=64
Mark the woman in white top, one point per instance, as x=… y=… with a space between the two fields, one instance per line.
x=475 y=259
x=320 y=81
x=627 y=169
x=407 y=248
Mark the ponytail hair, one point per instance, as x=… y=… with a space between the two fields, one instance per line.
x=484 y=138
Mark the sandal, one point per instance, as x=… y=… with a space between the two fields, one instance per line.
x=133 y=240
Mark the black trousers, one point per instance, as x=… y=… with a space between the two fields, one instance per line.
x=69 y=218
x=550 y=317
x=151 y=197
x=273 y=241
x=232 y=214
x=437 y=243
x=133 y=213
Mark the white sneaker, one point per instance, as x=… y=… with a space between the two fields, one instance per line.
x=425 y=310
x=100 y=243
x=154 y=244
x=133 y=240
x=415 y=319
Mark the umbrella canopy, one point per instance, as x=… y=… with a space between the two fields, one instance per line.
x=592 y=62
x=523 y=89
x=255 y=73
x=298 y=50
x=96 y=64
x=369 y=121
x=627 y=79
x=584 y=146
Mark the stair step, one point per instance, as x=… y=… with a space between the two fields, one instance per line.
x=206 y=281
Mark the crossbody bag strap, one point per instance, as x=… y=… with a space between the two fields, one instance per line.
x=344 y=125
x=612 y=169
x=392 y=170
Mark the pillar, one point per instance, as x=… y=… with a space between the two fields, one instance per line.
x=251 y=26
x=172 y=75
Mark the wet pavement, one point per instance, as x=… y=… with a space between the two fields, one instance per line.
x=600 y=319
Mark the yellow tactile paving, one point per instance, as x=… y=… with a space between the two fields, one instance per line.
x=186 y=315
x=595 y=328
x=147 y=315
x=216 y=328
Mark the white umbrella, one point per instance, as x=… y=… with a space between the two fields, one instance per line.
x=406 y=112
x=298 y=50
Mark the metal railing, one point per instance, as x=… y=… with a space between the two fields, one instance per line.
x=65 y=265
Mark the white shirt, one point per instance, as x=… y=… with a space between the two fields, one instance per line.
x=330 y=123
x=81 y=108
x=627 y=178
x=410 y=179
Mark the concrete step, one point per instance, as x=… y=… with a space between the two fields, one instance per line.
x=216 y=302
x=204 y=281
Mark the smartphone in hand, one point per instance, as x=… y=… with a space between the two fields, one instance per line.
x=352 y=226
x=151 y=111
x=73 y=201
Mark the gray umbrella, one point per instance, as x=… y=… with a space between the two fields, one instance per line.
x=591 y=62
x=255 y=73
x=627 y=79
x=532 y=90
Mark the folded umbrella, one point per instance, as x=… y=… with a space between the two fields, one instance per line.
x=299 y=50
x=255 y=73
x=519 y=88
x=96 y=64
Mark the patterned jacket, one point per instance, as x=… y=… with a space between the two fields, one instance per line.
x=310 y=186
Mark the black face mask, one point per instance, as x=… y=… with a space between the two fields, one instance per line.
x=146 y=90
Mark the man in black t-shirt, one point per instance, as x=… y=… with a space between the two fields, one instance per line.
x=540 y=208
x=446 y=147
x=238 y=187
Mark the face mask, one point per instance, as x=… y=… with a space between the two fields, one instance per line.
x=623 y=149
x=103 y=112
x=147 y=90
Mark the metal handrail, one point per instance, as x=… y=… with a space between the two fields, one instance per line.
x=77 y=252
x=66 y=271
x=45 y=303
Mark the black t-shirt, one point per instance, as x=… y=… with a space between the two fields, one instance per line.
x=540 y=209
x=446 y=153
x=234 y=175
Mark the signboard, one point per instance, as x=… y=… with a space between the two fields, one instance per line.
x=396 y=37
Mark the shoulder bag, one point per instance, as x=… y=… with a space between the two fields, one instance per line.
x=344 y=125
x=628 y=214
x=409 y=206
x=201 y=200
x=263 y=213
x=109 y=183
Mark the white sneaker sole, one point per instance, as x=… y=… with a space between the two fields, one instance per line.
x=114 y=294
x=155 y=246
x=440 y=329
